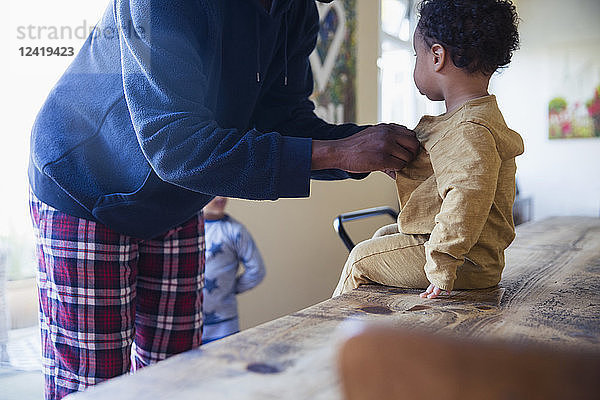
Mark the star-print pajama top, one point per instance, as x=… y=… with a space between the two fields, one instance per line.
x=228 y=243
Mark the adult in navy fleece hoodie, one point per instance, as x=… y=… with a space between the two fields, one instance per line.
x=171 y=102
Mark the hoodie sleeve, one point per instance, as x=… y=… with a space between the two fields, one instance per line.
x=164 y=45
x=254 y=267
x=286 y=107
x=466 y=164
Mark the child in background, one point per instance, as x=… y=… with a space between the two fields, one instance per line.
x=227 y=244
x=456 y=198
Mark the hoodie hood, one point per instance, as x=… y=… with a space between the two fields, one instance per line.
x=279 y=9
x=485 y=111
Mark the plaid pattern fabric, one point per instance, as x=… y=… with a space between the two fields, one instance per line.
x=102 y=293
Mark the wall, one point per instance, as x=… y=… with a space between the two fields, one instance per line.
x=562 y=176
x=302 y=252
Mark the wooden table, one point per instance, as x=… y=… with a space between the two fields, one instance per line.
x=550 y=293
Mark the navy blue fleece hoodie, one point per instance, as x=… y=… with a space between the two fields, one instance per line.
x=171 y=102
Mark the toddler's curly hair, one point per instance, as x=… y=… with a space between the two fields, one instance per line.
x=481 y=35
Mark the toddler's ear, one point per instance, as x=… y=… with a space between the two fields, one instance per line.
x=438 y=54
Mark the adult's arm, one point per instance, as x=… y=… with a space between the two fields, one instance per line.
x=286 y=108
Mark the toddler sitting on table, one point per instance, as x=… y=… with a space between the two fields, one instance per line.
x=456 y=198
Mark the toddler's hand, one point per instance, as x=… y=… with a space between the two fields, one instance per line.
x=432 y=292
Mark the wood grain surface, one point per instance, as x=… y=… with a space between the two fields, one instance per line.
x=549 y=294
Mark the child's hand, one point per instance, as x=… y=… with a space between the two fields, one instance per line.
x=432 y=292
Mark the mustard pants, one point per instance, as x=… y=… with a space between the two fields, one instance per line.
x=390 y=258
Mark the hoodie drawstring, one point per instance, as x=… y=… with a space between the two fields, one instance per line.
x=285 y=49
x=258 y=48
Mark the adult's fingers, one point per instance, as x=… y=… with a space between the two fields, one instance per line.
x=404 y=137
x=402 y=156
x=410 y=143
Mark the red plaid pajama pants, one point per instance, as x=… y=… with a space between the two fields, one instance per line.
x=102 y=293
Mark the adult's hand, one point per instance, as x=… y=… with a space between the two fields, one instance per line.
x=382 y=147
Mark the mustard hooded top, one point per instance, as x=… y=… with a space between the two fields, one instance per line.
x=460 y=190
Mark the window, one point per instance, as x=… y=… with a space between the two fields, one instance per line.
x=31 y=25
x=400 y=101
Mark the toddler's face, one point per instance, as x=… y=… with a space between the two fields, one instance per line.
x=424 y=73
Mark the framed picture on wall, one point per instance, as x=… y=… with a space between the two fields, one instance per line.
x=575 y=119
x=574 y=110
x=334 y=62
